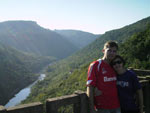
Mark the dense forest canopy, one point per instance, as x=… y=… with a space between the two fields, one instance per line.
x=136 y=50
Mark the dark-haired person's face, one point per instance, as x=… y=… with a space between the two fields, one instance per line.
x=110 y=52
x=117 y=64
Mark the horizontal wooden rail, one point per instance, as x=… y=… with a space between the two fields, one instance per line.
x=140 y=72
x=79 y=101
x=36 y=107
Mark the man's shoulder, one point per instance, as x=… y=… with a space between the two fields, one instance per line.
x=96 y=62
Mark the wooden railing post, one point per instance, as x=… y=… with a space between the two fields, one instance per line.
x=146 y=95
x=2 y=109
x=84 y=106
x=76 y=107
x=147 y=98
x=51 y=106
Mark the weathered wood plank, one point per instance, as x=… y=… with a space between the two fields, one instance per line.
x=36 y=107
x=140 y=71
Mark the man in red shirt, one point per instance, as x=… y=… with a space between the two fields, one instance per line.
x=102 y=77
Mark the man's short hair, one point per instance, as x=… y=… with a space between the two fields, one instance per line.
x=110 y=44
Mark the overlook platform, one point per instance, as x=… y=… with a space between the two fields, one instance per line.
x=78 y=100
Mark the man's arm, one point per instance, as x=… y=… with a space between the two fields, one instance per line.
x=140 y=99
x=90 y=94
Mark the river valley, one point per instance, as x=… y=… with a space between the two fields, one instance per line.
x=23 y=94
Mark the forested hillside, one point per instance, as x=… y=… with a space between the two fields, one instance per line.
x=136 y=50
x=70 y=74
x=17 y=70
x=78 y=38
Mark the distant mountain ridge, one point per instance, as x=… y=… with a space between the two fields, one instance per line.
x=28 y=36
x=78 y=38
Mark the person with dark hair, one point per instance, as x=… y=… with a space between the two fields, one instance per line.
x=128 y=87
x=102 y=77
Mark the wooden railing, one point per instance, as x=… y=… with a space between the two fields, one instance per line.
x=78 y=100
x=144 y=77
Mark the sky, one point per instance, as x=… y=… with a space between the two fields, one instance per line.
x=94 y=16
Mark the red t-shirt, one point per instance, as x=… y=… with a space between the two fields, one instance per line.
x=102 y=76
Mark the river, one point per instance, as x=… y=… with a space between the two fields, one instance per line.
x=23 y=94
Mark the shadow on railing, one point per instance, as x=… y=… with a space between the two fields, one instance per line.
x=78 y=100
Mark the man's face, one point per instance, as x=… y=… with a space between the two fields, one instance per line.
x=110 y=53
